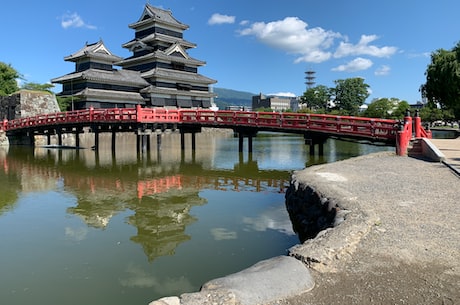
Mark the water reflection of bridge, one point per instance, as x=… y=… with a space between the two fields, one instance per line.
x=158 y=196
x=245 y=177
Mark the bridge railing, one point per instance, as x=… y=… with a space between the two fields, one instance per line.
x=110 y=115
x=157 y=115
x=358 y=126
x=370 y=128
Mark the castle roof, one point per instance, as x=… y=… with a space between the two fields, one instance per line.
x=153 y=14
x=158 y=90
x=159 y=37
x=125 y=77
x=111 y=95
x=96 y=50
x=179 y=76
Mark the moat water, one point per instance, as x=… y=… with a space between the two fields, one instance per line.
x=81 y=227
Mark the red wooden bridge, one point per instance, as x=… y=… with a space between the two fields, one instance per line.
x=315 y=127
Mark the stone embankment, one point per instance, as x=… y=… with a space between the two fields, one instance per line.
x=4 y=139
x=396 y=240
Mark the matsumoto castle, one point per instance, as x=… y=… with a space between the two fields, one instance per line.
x=159 y=73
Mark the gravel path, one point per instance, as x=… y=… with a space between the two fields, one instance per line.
x=400 y=241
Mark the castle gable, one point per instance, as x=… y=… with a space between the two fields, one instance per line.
x=176 y=50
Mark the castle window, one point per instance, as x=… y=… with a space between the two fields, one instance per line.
x=178 y=66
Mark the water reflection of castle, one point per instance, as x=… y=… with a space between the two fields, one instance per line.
x=160 y=193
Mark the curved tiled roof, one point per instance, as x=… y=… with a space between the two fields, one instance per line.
x=154 y=14
x=94 y=50
x=161 y=55
x=165 y=91
x=163 y=38
x=178 y=76
x=111 y=95
x=125 y=77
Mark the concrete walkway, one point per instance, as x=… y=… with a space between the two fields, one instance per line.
x=399 y=242
x=451 y=150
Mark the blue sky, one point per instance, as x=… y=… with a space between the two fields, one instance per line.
x=251 y=45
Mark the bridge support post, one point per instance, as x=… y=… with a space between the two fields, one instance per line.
x=158 y=141
x=240 y=142
x=182 y=139
x=59 y=135
x=248 y=133
x=48 y=139
x=313 y=140
x=147 y=142
x=250 y=144
x=32 y=138
x=312 y=149
x=114 y=140
x=193 y=141
x=143 y=143
x=77 y=137
x=96 y=139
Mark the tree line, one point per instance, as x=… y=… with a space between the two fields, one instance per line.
x=441 y=92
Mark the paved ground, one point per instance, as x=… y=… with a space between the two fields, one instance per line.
x=402 y=238
x=451 y=150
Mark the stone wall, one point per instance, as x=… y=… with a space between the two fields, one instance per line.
x=309 y=211
x=3 y=139
x=8 y=105
x=25 y=103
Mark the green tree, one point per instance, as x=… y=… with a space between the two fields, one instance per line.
x=378 y=108
x=349 y=94
x=317 y=98
x=385 y=108
x=431 y=113
x=65 y=103
x=443 y=80
x=38 y=87
x=8 y=77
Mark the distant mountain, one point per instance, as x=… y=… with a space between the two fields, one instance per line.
x=229 y=97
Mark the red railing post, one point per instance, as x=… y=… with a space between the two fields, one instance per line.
x=5 y=124
x=138 y=112
x=417 y=125
x=404 y=135
x=91 y=113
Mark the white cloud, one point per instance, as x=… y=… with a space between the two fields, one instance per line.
x=78 y=234
x=221 y=19
x=74 y=21
x=382 y=70
x=293 y=36
x=316 y=45
x=417 y=55
x=137 y=277
x=357 y=64
x=274 y=218
x=363 y=48
x=282 y=94
x=223 y=234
